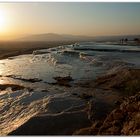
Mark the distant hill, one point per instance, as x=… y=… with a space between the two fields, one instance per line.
x=65 y=37
x=56 y=37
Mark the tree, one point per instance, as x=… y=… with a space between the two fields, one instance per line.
x=126 y=40
x=136 y=40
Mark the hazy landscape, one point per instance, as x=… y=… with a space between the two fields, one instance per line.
x=70 y=74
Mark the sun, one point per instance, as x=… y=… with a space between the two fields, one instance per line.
x=3 y=20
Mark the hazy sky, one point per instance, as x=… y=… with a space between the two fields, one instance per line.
x=70 y=18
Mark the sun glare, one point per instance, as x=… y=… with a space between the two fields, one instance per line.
x=3 y=20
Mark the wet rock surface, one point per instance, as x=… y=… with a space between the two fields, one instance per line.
x=57 y=124
x=111 y=116
x=12 y=86
x=32 y=80
x=63 y=81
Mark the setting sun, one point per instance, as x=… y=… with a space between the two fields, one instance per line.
x=2 y=20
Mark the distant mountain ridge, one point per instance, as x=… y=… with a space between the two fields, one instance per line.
x=55 y=37
x=67 y=37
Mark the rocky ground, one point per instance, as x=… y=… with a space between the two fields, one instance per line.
x=124 y=119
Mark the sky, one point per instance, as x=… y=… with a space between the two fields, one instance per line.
x=91 y=19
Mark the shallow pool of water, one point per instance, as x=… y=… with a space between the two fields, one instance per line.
x=16 y=107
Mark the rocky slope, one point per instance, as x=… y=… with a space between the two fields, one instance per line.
x=124 y=120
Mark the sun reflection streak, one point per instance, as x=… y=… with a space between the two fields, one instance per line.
x=2 y=64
